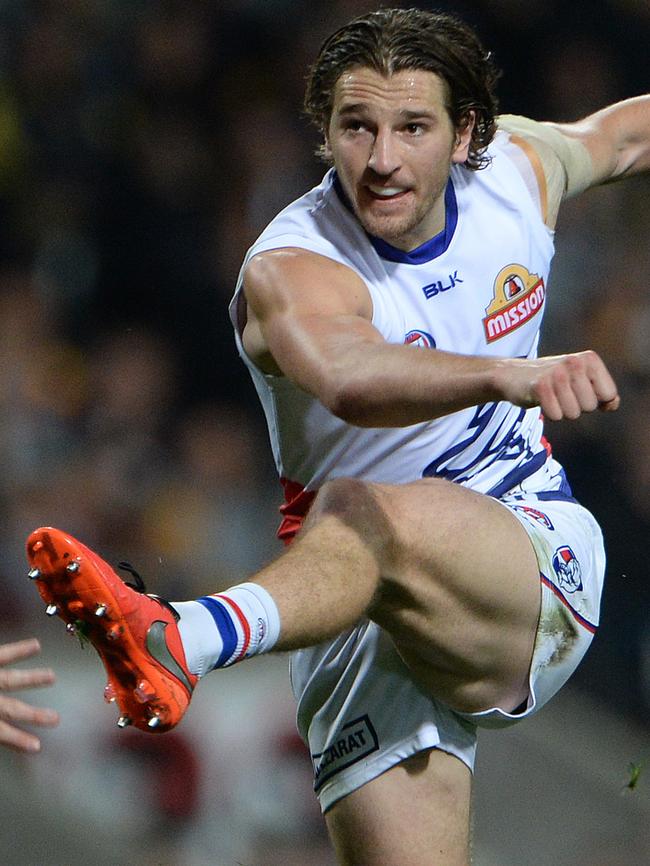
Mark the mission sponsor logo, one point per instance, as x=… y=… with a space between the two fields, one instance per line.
x=518 y=296
x=420 y=339
x=355 y=740
x=567 y=568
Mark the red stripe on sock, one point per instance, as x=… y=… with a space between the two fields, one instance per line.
x=244 y=624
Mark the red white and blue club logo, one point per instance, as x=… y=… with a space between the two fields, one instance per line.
x=567 y=568
x=420 y=339
x=534 y=514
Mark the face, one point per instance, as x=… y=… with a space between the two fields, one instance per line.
x=393 y=145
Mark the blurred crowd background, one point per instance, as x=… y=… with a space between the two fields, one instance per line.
x=143 y=146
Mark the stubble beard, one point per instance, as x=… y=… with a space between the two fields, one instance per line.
x=416 y=225
x=398 y=230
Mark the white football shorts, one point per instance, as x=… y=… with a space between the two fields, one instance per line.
x=358 y=709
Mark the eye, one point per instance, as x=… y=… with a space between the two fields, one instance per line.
x=353 y=125
x=414 y=128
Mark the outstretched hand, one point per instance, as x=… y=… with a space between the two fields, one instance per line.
x=564 y=386
x=11 y=709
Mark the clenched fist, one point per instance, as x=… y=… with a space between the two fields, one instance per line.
x=564 y=386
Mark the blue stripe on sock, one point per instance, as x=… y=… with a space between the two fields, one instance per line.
x=225 y=627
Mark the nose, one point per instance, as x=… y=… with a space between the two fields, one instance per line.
x=384 y=157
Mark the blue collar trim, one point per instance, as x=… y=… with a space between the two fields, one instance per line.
x=427 y=251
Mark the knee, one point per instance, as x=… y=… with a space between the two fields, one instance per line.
x=345 y=498
x=358 y=505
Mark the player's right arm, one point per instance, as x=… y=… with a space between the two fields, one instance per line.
x=310 y=319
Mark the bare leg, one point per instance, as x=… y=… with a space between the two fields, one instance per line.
x=415 y=814
x=326 y=580
x=448 y=572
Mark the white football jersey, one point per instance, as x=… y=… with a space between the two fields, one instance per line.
x=478 y=288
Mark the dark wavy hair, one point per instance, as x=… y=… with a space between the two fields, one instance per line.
x=391 y=40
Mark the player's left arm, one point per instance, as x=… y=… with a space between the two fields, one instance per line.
x=617 y=139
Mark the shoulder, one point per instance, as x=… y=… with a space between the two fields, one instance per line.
x=554 y=148
x=317 y=222
x=561 y=165
x=296 y=277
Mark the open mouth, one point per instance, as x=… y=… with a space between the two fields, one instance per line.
x=386 y=193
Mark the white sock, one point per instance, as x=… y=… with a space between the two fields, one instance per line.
x=221 y=629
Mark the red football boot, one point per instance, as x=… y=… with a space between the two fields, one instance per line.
x=135 y=634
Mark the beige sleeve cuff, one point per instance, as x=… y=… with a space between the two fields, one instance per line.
x=562 y=164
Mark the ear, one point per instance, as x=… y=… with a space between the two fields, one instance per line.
x=325 y=149
x=463 y=138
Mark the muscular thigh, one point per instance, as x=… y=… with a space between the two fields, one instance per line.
x=459 y=593
x=415 y=814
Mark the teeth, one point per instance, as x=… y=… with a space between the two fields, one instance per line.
x=385 y=191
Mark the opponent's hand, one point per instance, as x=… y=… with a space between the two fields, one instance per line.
x=564 y=386
x=11 y=709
